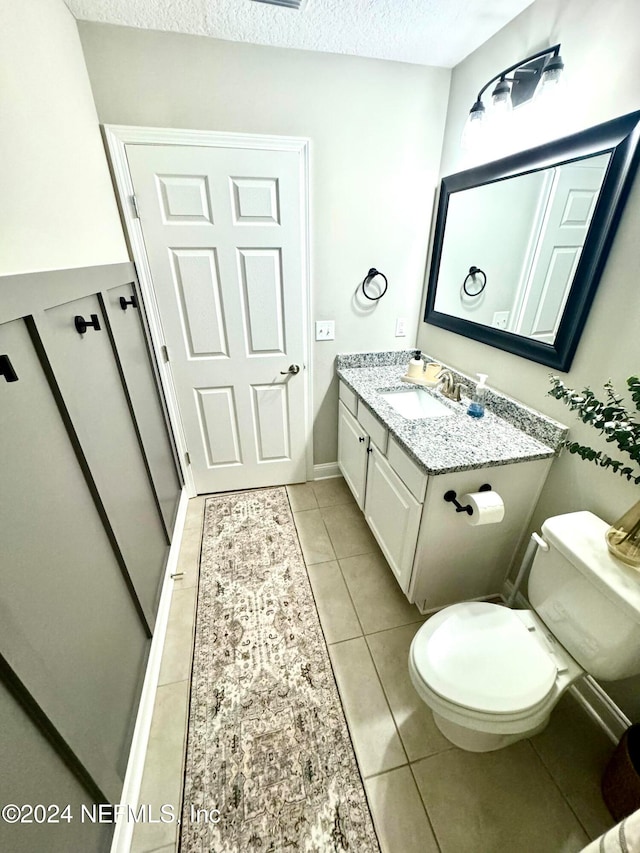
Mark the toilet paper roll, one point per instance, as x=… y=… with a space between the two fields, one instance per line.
x=488 y=507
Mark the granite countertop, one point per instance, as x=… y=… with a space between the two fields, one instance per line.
x=509 y=431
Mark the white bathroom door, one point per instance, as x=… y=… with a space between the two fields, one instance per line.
x=223 y=232
x=572 y=200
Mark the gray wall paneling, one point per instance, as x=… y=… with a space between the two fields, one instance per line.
x=86 y=373
x=32 y=772
x=73 y=637
x=69 y=628
x=134 y=358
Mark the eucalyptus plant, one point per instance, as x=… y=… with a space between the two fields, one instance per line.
x=612 y=418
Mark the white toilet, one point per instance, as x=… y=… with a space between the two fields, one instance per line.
x=492 y=675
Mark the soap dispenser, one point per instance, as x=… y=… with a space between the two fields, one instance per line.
x=476 y=406
x=416 y=366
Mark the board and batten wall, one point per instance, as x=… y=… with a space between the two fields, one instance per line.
x=376 y=135
x=58 y=209
x=599 y=47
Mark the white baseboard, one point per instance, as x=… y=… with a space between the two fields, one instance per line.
x=326 y=470
x=598 y=704
x=123 y=832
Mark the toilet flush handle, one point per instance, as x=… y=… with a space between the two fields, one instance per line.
x=535 y=542
x=540 y=542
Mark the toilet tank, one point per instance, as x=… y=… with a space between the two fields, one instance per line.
x=589 y=601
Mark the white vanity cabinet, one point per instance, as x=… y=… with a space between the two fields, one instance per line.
x=436 y=555
x=393 y=514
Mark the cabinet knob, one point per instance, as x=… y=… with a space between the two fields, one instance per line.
x=82 y=325
x=362 y=438
x=369 y=449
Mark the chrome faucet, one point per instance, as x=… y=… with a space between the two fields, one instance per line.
x=448 y=385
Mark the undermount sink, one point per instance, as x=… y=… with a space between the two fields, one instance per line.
x=414 y=403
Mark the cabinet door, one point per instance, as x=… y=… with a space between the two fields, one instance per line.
x=393 y=514
x=353 y=443
x=69 y=628
x=134 y=358
x=87 y=375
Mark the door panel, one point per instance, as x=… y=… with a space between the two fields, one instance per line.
x=87 y=375
x=134 y=359
x=223 y=234
x=69 y=628
x=393 y=514
x=353 y=443
x=569 y=210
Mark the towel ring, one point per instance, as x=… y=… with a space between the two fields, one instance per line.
x=473 y=271
x=371 y=274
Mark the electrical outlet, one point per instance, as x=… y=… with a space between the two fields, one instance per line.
x=325 y=330
x=500 y=320
x=401 y=327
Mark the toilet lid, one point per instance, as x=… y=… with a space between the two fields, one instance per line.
x=482 y=657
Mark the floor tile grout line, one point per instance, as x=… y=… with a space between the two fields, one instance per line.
x=558 y=786
x=424 y=806
x=386 y=699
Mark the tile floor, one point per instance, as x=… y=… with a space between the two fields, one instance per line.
x=537 y=796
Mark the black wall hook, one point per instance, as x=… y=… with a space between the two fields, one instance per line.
x=452 y=497
x=124 y=302
x=82 y=325
x=6 y=369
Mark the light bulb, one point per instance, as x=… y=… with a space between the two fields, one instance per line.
x=552 y=80
x=501 y=98
x=473 y=131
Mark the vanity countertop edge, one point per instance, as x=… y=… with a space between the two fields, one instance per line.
x=509 y=432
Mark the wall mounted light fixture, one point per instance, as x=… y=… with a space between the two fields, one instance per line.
x=538 y=74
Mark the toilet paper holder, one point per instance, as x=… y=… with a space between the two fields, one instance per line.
x=452 y=497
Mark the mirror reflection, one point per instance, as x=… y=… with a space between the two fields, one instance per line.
x=511 y=247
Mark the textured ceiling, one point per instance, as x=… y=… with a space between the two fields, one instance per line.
x=425 y=32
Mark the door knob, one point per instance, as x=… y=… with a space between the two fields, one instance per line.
x=293 y=369
x=82 y=325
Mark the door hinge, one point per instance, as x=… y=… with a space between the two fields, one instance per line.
x=187 y=458
x=134 y=205
x=165 y=353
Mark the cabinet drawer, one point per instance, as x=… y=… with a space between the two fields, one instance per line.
x=373 y=427
x=413 y=477
x=349 y=398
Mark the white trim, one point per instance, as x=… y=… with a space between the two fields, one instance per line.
x=325 y=470
x=117 y=137
x=123 y=832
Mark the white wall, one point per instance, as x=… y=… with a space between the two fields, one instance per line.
x=376 y=132
x=600 y=49
x=57 y=207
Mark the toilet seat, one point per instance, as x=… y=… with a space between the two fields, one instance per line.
x=485 y=658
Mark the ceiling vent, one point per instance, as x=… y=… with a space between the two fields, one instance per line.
x=288 y=4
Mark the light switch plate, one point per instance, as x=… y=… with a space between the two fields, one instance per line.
x=325 y=330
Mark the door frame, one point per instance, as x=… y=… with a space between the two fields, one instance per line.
x=116 y=138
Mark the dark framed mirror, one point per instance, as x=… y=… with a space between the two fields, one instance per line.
x=520 y=243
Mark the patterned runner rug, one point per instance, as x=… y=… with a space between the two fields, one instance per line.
x=268 y=745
